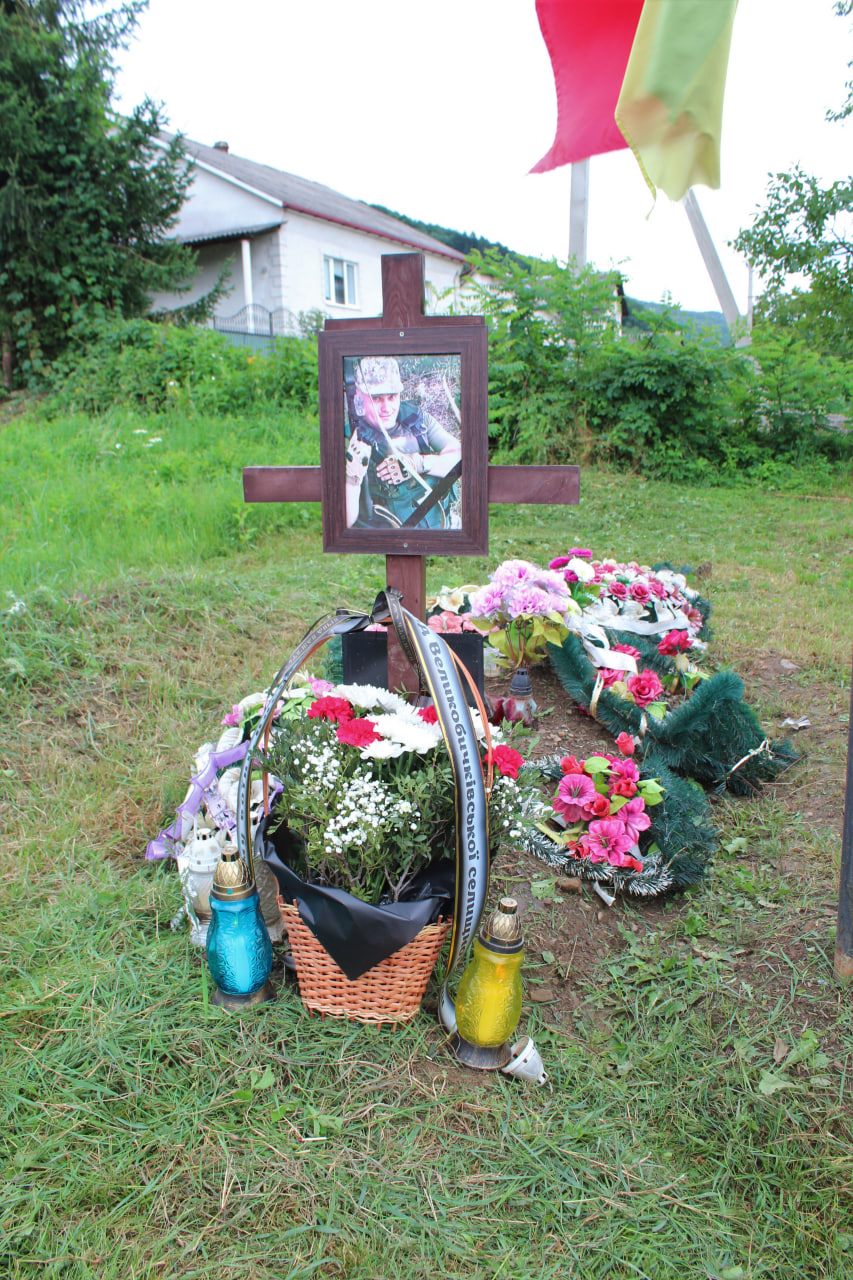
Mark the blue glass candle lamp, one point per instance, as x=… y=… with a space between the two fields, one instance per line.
x=239 y=951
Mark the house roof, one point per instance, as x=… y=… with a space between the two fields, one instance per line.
x=313 y=199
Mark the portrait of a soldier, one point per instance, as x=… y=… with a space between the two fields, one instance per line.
x=402 y=465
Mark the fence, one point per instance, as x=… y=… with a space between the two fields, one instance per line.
x=255 y=326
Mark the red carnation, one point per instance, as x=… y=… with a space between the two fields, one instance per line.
x=330 y=709
x=358 y=733
x=507 y=761
x=428 y=714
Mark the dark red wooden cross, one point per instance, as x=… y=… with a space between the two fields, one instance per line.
x=403 y=308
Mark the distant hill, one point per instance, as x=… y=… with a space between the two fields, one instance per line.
x=465 y=241
x=698 y=321
x=461 y=241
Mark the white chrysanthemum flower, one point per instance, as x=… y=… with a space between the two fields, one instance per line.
x=384 y=749
x=369 y=696
x=414 y=735
x=581 y=568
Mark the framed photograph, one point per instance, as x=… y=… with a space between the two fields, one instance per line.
x=404 y=439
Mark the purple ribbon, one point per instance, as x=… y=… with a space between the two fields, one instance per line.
x=163 y=846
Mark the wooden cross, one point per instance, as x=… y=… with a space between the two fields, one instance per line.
x=403 y=308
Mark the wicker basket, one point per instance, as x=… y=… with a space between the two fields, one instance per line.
x=389 y=992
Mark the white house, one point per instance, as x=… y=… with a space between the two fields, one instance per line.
x=294 y=245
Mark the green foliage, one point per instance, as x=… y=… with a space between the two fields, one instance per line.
x=566 y=384
x=803 y=230
x=655 y=405
x=784 y=397
x=544 y=319
x=87 y=198
x=162 y=367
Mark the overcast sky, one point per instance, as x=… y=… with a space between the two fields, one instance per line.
x=439 y=110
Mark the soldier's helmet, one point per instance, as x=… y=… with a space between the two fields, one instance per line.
x=379 y=376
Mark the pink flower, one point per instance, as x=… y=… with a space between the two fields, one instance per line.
x=625 y=769
x=234 y=716
x=330 y=709
x=657 y=588
x=640 y=592
x=625 y=860
x=635 y=818
x=319 y=687
x=605 y=840
x=675 y=642
x=626 y=744
x=487 y=602
x=526 y=599
x=512 y=572
x=449 y=623
x=580 y=551
x=559 y=562
x=618 y=590
x=629 y=649
x=609 y=676
x=645 y=687
x=574 y=793
x=507 y=761
x=694 y=617
x=358 y=733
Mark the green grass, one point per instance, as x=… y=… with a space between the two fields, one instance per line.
x=147 y=1134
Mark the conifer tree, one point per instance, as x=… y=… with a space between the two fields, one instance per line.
x=87 y=197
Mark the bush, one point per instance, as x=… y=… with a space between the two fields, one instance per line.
x=159 y=366
x=567 y=385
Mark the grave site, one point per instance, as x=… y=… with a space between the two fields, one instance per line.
x=390 y=898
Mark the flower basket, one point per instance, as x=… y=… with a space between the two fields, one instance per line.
x=390 y=991
x=370 y=839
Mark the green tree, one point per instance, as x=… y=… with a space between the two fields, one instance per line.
x=544 y=318
x=805 y=230
x=87 y=198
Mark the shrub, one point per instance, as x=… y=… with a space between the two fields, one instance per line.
x=157 y=367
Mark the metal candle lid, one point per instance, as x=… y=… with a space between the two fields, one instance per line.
x=231 y=879
x=502 y=930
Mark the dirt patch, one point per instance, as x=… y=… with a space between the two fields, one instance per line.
x=569 y=931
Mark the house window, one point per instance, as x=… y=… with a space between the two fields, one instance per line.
x=340 y=281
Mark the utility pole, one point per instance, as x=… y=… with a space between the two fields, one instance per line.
x=726 y=298
x=579 y=212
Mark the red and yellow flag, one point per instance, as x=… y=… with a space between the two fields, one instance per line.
x=668 y=106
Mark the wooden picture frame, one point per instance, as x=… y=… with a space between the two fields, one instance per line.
x=390 y=519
